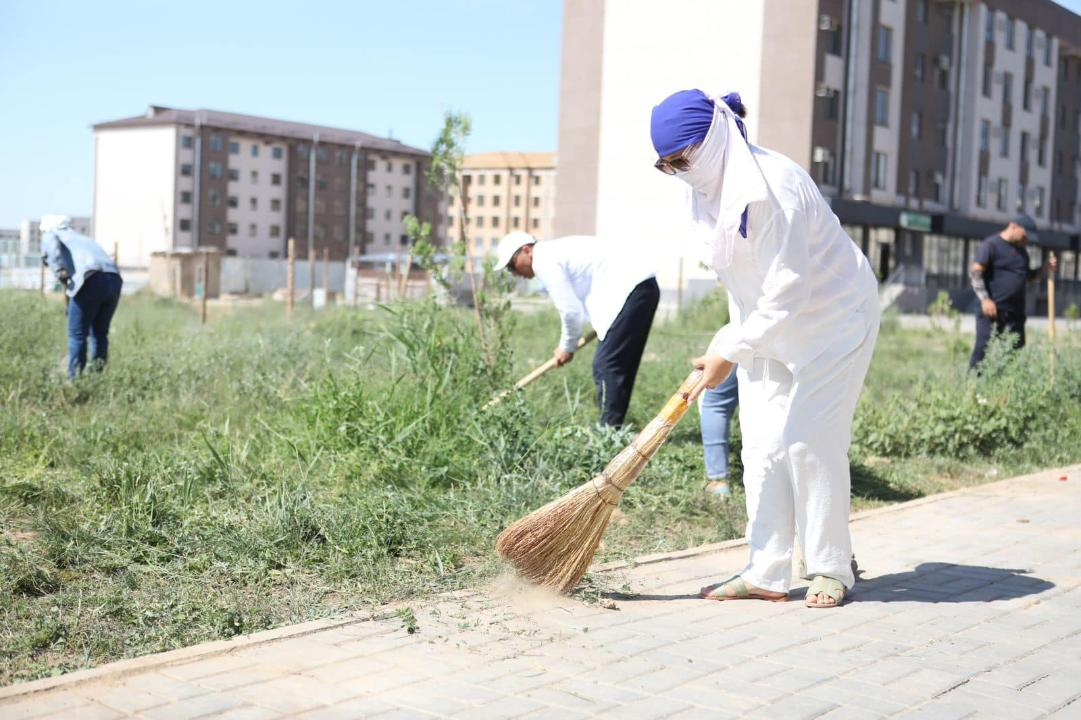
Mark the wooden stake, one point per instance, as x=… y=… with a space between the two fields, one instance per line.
x=291 y=277
x=311 y=274
x=1051 y=303
x=403 y=279
x=326 y=274
x=43 y=279
x=206 y=285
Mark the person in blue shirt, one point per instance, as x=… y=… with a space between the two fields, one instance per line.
x=91 y=280
x=999 y=273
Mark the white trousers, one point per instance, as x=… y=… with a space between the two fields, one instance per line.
x=796 y=433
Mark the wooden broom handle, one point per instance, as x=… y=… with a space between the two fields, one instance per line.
x=537 y=372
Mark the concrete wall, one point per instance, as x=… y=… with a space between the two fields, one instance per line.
x=257 y=276
x=134 y=186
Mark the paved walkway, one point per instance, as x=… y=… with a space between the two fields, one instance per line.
x=969 y=606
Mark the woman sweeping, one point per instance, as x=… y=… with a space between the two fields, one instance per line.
x=804 y=319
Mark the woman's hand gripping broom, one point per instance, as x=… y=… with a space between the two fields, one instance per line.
x=582 y=342
x=554 y=545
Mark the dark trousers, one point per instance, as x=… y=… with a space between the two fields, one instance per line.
x=1004 y=322
x=89 y=315
x=615 y=365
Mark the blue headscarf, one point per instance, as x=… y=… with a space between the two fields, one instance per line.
x=683 y=119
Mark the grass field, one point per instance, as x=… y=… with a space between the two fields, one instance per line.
x=255 y=472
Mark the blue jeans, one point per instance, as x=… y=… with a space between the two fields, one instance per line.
x=89 y=314
x=717 y=407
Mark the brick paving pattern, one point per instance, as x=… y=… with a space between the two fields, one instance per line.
x=969 y=605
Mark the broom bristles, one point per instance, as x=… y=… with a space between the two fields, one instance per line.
x=553 y=546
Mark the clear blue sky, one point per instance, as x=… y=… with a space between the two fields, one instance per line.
x=375 y=65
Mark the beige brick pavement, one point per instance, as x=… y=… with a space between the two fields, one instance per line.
x=969 y=606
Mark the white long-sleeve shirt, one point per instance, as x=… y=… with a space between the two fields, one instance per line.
x=588 y=278
x=797 y=278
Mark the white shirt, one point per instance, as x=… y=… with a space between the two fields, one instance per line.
x=797 y=280
x=588 y=278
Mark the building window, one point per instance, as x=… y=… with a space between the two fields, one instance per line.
x=371 y=189
x=878 y=170
x=1030 y=41
x=234 y=148
x=882 y=107
x=185 y=169
x=390 y=166
x=321 y=154
x=339 y=207
x=495 y=201
x=253 y=204
x=186 y=142
x=275 y=204
x=480 y=178
x=215 y=143
x=215 y=227
x=1038 y=202
x=1020 y=198
x=516 y=221
x=386 y=238
x=480 y=201
x=1009 y=33
x=233 y=202
x=390 y=191
x=497 y=179
x=914 y=183
x=254 y=177
x=321 y=184
x=185 y=225
x=938 y=184
x=386 y=215
x=942 y=128
x=1047 y=40
x=407 y=168
x=517 y=179
x=495 y=221
x=985 y=135
x=885 y=42
x=981 y=191
x=988 y=75
x=275 y=231
x=276 y=153
x=214 y=168
x=1045 y=100
x=1007 y=88
x=1004 y=142
x=830 y=105
x=1023 y=147
x=234 y=174
x=1002 y=194
x=407 y=193
x=369 y=213
x=340 y=158
x=517 y=201
x=989 y=26
x=918 y=67
x=536 y=180
x=536 y=202
x=275 y=178
x=303 y=151
x=1041 y=152
x=185 y=197
x=536 y=223
x=480 y=221
x=921 y=11
x=370 y=164
x=917 y=125
x=252 y=230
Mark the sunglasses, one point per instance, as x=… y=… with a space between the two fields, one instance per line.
x=680 y=163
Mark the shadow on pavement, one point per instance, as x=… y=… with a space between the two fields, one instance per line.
x=933 y=582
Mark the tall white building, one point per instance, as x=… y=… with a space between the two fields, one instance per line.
x=174 y=179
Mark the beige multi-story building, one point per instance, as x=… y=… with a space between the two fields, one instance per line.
x=173 y=179
x=926 y=123
x=504 y=191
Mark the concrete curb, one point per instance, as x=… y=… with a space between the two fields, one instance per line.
x=121 y=668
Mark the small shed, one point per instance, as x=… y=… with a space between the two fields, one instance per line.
x=180 y=273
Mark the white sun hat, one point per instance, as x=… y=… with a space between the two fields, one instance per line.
x=510 y=244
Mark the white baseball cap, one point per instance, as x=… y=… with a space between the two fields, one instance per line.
x=510 y=244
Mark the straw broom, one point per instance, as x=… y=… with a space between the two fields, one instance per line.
x=554 y=545
x=540 y=370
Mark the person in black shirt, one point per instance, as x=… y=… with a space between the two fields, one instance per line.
x=999 y=273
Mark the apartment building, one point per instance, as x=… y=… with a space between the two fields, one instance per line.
x=10 y=255
x=172 y=179
x=504 y=191
x=926 y=123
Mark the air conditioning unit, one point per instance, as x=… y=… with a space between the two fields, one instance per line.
x=824 y=91
x=826 y=22
x=943 y=62
x=821 y=155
